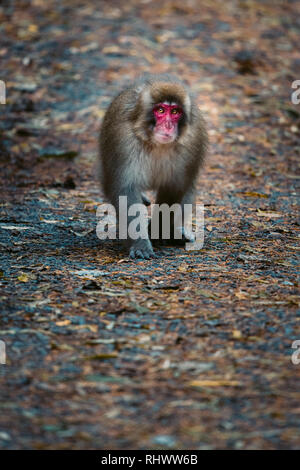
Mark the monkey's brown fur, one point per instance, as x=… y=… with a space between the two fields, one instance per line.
x=132 y=161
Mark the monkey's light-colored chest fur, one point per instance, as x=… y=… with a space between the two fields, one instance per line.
x=148 y=170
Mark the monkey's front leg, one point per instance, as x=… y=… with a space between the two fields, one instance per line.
x=141 y=246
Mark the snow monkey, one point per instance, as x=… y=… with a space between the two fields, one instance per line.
x=153 y=137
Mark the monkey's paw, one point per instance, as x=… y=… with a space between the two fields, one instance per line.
x=142 y=249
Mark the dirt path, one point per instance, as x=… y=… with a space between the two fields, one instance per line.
x=189 y=351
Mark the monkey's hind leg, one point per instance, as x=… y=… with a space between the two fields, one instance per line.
x=179 y=235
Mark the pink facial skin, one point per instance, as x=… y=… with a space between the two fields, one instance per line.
x=166 y=118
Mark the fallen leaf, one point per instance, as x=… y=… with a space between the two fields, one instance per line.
x=262 y=213
x=214 y=383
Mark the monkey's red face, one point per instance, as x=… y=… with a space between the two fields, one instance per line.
x=166 y=122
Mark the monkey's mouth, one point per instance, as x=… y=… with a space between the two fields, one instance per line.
x=164 y=138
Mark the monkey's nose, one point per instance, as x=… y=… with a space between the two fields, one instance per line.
x=169 y=124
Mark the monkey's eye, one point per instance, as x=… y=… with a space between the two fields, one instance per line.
x=175 y=111
x=161 y=110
